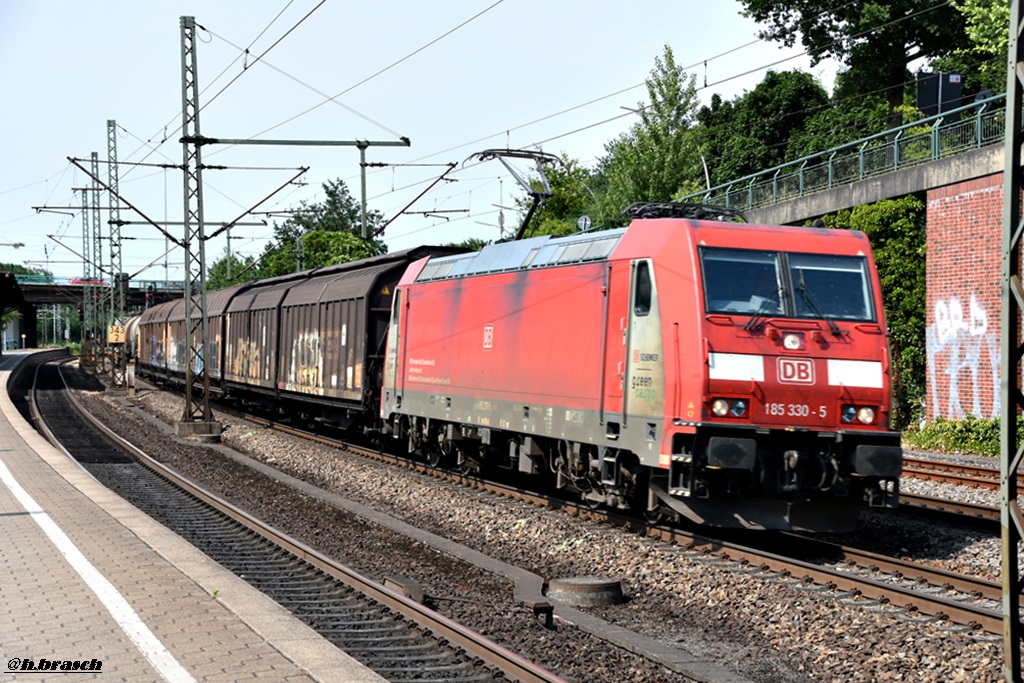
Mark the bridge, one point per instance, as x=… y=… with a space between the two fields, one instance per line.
x=940 y=150
x=26 y=292
x=47 y=289
x=956 y=166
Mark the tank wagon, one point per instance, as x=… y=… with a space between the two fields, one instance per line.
x=726 y=373
x=309 y=345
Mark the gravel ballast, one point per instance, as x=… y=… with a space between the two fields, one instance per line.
x=762 y=627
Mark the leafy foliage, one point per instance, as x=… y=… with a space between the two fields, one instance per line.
x=753 y=132
x=18 y=269
x=875 y=39
x=339 y=212
x=659 y=155
x=983 y=62
x=846 y=118
x=242 y=270
x=896 y=230
x=970 y=435
x=571 y=197
x=317 y=234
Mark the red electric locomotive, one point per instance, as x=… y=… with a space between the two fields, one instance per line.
x=730 y=374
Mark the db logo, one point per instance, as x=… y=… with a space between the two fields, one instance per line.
x=796 y=371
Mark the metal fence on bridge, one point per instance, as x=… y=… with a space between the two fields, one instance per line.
x=980 y=123
x=156 y=285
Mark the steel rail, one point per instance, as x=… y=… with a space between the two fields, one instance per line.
x=967 y=511
x=958 y=612
x=954 y=473
x=974 y=616
x=511 y=664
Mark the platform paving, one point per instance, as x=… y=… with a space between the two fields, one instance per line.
x=87 y=579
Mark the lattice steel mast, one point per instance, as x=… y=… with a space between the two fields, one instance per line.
x=85 y=320
x=1012 y=398
x=119 y=284
x=99 y=305
x=197 y=418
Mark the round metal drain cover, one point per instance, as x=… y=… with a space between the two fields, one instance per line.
x=586 y=591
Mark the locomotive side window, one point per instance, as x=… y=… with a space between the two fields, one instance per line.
x=741 y=281
x=642 y=289
x=830 y=287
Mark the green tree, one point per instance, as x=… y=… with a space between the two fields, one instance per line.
x=319 y=248
x=844 y=120
x=18 y=269
x=659 y=155
x=339 y=212
x=874 y=39
x=471 y=243
x=983 y=62
x=896 y=229
x=8 y=317
x=571 y=197
x=755 y=130
x=242 y=270
x=329 y=232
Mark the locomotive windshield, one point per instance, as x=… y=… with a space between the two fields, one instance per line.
x=793 y=285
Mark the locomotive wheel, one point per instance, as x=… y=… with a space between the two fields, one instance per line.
x=655 y=516
x=433 y=455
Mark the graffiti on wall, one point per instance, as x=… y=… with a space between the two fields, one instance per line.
x=964 y=347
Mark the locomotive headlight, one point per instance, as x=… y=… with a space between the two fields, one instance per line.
x=739 y=408
x=862 y=414
x=792 y=341
x=729 y=407
x=720 y=407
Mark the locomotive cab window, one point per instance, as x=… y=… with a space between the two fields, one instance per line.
x=791 y=285
x=826 y=286
x=642 y=289
x=742 y=281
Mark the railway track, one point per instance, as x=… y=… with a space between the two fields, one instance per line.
x=947 y=511
x=899 y=585
x=398 y=638
x=954 y=473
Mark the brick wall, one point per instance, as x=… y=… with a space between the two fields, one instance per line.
x=964 y=234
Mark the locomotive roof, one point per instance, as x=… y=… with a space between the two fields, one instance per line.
x=536 y=252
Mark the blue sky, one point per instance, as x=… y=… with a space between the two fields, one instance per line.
x=455 y=77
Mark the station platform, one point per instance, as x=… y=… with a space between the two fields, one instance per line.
x=93 y=586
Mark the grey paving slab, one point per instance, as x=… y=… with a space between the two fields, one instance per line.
x=56 y=614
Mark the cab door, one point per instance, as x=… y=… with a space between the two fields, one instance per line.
x=616 y=320
x=644 y=380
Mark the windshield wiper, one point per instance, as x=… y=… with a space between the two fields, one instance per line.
x=808 y=298
x=758 y=318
